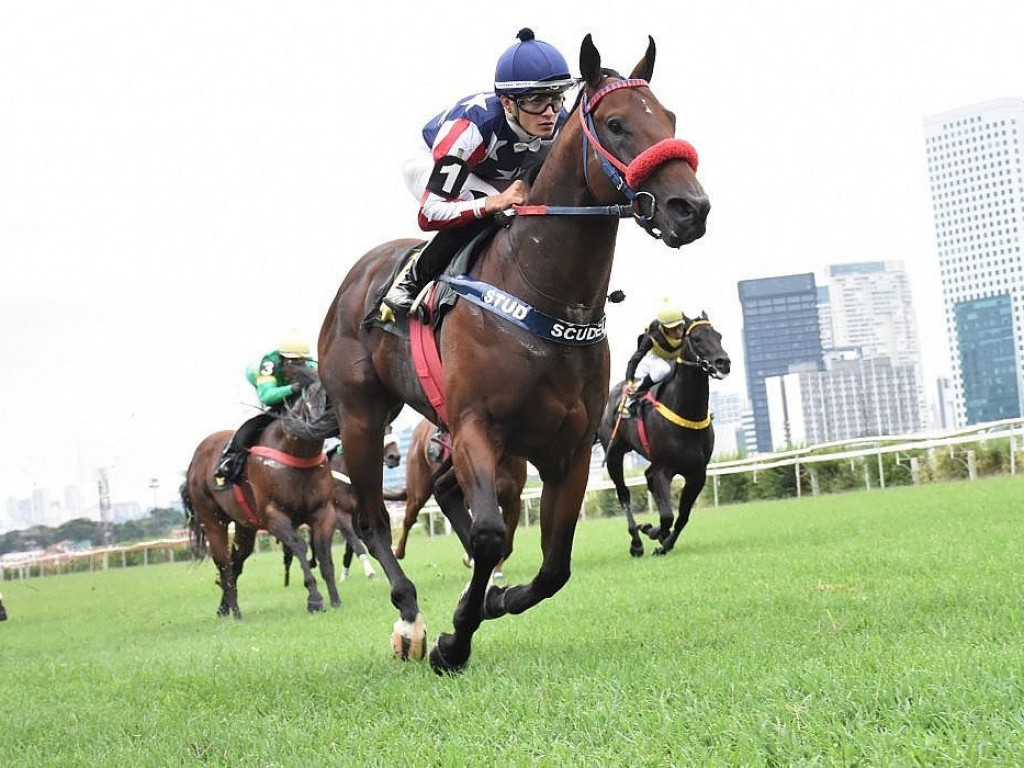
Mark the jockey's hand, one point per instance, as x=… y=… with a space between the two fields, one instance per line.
x=514 y=194
x=296 y=387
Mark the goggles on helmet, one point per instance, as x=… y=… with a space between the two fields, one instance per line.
x=538 y=103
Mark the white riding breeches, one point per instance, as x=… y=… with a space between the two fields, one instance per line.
x=655 y=367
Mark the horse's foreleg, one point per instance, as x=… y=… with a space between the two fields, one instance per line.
x=476 y=466
x=613 y=460
x=659 y=482
x=321 y=532
x=694 y=484
x=280 y=525
x=559 y=509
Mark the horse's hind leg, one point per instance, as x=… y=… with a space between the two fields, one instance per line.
x=364 y=453
x=353 y=547
x=509 y=490
x=613 y=460
x=216 y=533
x=694 y=484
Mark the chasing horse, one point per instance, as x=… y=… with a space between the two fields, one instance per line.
x=428 y=471
x=672 y=429
x=344 y=503
x=519 y=364
x=285 y=482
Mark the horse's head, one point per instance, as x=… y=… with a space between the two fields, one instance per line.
x=392 y=453
x=635 y=153
x=309 y=415
x=702 y=346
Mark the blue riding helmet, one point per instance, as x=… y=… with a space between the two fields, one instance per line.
x=531 y=66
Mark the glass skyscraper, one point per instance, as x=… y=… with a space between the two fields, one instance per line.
x=977 y=190
x=780 y=334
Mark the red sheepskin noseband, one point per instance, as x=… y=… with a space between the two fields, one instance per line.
x=647 y=162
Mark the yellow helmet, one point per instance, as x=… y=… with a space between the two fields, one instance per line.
x=293 y=345
x=670 y=315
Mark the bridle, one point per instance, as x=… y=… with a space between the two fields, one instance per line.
x=626 y=178
x=705 y=365
x=642 y=205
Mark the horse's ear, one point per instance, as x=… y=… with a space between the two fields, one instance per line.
x=590 y=62
x=703 y=314
x=645 y=67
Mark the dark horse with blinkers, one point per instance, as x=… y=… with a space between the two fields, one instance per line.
x=672 y=429
x=524 y=374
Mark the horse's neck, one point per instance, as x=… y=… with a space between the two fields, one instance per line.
x=688 y=393
x=276 y=437
x=561 y=264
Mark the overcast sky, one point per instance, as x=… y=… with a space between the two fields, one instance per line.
x=181 y=182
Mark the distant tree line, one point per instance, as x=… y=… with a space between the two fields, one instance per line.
x=158 y=524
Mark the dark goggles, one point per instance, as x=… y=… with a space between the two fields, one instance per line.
x=538 y=103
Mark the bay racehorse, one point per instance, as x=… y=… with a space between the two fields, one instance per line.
x=429 y=472
x=520 y=366
x=286 y=483
x=672 y=429
x=344 y=502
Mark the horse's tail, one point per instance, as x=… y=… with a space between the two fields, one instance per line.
x=196 y=535
x=397 y=495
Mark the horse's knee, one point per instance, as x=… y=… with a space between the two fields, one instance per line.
x=547 y=583
x=488 y=542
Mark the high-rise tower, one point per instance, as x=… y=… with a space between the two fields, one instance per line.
x=977 y=189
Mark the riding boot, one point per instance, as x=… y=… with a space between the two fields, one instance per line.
x=227 y=466
x=634 y=397
x=404 y=292
x=431 y=262
x=232 y=459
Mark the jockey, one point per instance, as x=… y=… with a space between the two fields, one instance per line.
x=282 y=373
x=656 y=348
x=478 y=154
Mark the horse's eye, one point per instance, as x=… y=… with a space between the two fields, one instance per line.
x=615 y=126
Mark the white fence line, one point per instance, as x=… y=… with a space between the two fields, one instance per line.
x=1007 y=429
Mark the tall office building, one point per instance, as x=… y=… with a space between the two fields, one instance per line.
x=872 y=311
x=977 y=189
x=781 y=333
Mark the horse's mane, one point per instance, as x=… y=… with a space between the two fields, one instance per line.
x=311 y=416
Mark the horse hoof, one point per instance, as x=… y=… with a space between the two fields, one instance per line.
x=660 y=552
x=467 y=561
x=315 y=606
x=439 y=663
x=336 y=603
x=409 y=639
x=371 y=576
x=637 y=551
